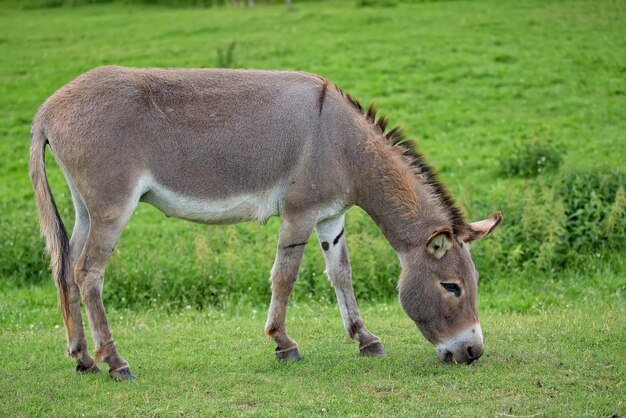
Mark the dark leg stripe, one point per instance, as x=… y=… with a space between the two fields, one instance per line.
x=336 y=240
x=294 y=245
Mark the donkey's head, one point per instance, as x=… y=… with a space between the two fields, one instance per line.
x=438 y=289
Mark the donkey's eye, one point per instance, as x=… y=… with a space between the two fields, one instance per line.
x=452 y=288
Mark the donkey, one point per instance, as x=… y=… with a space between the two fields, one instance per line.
x=224 y=146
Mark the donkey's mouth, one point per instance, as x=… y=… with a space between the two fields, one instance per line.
x=446 y=356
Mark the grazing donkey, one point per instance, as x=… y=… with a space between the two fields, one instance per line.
x=224 y=146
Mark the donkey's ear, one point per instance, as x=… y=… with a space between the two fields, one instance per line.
x=440 y=242
x=477 y=230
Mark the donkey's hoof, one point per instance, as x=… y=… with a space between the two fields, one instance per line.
x=81 y=369
x=122 y=373
x=373 y=350
x=290 y=354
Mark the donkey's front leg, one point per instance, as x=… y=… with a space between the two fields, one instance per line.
x=330 y=235
x=294 y=234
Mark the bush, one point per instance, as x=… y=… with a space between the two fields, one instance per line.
x=556 y=224
x=531 y=158
x=596 y=209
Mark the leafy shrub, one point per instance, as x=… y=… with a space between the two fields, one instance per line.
x=530 y=238
x=531 y=158
x=595 y=204
x=557 y=224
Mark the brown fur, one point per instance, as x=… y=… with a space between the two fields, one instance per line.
x=125 y=135
x=407 y=148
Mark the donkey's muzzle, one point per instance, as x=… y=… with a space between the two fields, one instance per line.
x=463 y=347
x=467 y=355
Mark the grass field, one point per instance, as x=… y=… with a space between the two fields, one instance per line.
x=568 y=361
x=520 y=105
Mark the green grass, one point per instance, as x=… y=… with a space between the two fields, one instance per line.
x=470 y=80
x=568 y=361
x=487 y=87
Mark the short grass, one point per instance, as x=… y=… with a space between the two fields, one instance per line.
x=469 y=79
x=567 y=361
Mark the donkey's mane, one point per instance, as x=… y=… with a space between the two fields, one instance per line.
x=408 y=149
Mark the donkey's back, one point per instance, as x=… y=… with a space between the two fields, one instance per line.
x=208 y=145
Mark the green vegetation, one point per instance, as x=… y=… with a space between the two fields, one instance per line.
x=531 y=158
x=510 y=103
x=521 y=107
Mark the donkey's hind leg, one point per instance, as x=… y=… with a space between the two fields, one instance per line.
x=104 y=232
x=330 y=234
x=77 y=344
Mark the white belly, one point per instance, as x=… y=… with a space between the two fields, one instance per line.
x=258 y=206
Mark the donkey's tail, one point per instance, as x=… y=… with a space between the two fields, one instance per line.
x=52 y=228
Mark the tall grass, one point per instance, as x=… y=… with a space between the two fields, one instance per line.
x=558 y=223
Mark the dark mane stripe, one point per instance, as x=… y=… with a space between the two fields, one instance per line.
x=408 y=148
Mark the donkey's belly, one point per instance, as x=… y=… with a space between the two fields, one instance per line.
x=257 y=206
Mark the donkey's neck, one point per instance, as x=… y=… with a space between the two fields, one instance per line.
x=402 y=204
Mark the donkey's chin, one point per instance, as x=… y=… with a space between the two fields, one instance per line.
x=464 y=347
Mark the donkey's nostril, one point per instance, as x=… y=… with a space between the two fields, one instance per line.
x=473 y=352
x=470 y=352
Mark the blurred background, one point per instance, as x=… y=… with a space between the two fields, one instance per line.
x=521 y=106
